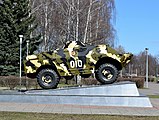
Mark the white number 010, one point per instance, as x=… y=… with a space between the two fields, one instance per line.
x=76 y=64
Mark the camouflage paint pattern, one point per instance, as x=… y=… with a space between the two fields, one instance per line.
x=75 y=58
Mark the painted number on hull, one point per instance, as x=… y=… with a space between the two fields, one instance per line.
x=76 y=64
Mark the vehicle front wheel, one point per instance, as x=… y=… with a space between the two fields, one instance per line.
x=106 y=73
x=48 y=79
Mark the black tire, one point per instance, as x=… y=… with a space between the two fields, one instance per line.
x=106 y=74
x=48 y=79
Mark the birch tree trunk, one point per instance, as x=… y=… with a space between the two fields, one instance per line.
x=77 y=18
x=87 y=22
x=90 y=28
x=45 y=26
x=97 y=26
x=69 y=20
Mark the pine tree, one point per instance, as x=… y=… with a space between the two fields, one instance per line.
x=14 y=21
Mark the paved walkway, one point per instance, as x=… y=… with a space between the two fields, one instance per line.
x=77 y=109
x=152 y=90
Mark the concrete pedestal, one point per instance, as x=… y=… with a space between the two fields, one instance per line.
x=118 y=94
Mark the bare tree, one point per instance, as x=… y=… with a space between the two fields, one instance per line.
x=120 y=49
x=138 y=64
x=89 y=21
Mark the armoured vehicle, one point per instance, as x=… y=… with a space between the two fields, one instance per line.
x=76 y=58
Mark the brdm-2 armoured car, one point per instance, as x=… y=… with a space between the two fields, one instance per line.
x=76 y=58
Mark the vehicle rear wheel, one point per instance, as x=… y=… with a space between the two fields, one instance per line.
x=106 y=74
x=48 y=79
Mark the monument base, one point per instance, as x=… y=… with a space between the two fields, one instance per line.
x=118 y=94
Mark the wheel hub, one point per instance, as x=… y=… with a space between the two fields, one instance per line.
x=107 y=73
x=47 y=79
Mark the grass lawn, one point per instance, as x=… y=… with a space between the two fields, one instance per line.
x=66 y=85
x=42 y=116
x=153 y=96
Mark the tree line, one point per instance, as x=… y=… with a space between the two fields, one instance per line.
x=48 y=24
x=138 y=64
x=15 y=20
x=89 y=21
